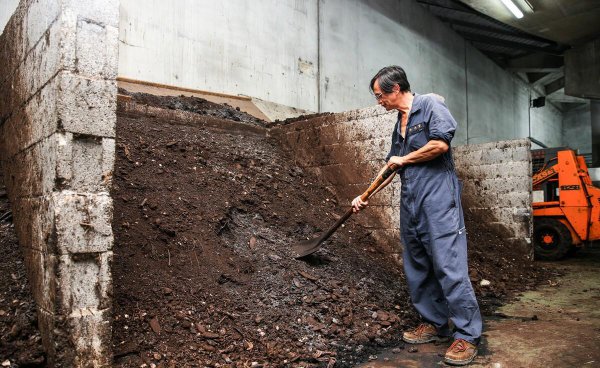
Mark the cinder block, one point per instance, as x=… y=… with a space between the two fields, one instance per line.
x=31 y=124
x=388 y=239
x=87 y=106
x=348 y=173
x=11 y=50
x=97 y=50
x=42 y=269
x=92 y=349
x=83 y=222
x=87 y=165
x=85 y=281
x=521 y=153
x=380 y=217
x=31 y=172
x=104 y=12
x=61 y=161
x=34 y=223
x=46 y=324
x=331 y=134
x=54 y=52
x=40 y=15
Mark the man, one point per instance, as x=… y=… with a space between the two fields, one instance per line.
x=431 y=220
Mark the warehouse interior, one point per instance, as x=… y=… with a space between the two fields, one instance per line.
x=162 y=161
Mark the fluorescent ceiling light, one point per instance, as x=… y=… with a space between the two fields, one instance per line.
x=513 y=8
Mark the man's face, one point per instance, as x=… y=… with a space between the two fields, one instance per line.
x=383 y=98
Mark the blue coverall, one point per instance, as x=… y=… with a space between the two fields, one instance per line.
x=432 y=226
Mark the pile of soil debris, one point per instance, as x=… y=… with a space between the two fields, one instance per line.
x=20 y=339
x=203 y=274
x=195 y=105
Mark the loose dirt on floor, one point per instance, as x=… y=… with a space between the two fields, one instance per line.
x=206 y=208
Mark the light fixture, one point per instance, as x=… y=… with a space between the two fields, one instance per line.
x=513 y=8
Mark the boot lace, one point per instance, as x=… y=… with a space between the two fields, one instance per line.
x=420 y=329
x=458 y=346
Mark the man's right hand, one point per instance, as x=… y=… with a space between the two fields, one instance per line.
x=358 y=204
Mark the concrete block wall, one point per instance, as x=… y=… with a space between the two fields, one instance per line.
x=57 y=144
x=497 y=187
x=348 y=149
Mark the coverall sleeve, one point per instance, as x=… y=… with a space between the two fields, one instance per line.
x=441 y=123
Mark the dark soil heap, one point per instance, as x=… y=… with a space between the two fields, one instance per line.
x=20 y=339
x=203 y=274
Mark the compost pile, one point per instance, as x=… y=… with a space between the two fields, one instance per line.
x=20 y=339
x=203 y=272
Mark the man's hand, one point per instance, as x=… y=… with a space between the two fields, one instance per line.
x=358 y=204
x=397 y=160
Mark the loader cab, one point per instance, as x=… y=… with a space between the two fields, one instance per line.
x=542 y=159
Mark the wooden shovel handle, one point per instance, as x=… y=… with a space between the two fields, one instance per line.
x=389 y=170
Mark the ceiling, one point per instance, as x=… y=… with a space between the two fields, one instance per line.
x=533 y=46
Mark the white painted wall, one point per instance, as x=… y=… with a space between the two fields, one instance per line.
x=7 y=9
x=319 y=55
x=265 y=49
x=360 y=37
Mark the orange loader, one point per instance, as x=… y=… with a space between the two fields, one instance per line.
x=569 y=214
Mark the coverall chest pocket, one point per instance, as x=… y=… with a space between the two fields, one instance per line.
x=417 y=136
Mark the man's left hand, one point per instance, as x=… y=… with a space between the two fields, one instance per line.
x=397 y=160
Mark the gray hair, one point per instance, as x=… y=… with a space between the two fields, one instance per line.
x=388 y=77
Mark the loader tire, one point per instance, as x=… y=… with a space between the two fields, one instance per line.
x=551 y=239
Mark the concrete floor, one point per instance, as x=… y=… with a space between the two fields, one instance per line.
x=557 y=325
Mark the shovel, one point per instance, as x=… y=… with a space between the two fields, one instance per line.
x=310 y=246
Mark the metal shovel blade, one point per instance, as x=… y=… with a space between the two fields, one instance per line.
x=306 y=247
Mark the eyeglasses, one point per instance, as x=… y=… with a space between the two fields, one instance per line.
x=378 y=96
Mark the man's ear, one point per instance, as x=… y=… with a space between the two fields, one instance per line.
x=396 y=88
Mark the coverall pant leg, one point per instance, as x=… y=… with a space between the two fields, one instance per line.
x=435 y=254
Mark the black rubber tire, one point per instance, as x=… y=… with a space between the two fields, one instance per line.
x=561 y=240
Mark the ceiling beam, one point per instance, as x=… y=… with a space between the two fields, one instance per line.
x=549 y=78
x=477 y=26
x=508 y=44
x=493 y=27
x=536 y=76
x=559 y=96
x=449 y=5
x=552 y=87
x=537 y=62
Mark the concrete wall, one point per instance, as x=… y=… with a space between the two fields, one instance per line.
x=319 y=55
x=577 y=129
x=57 y=128
x=347 y=150
x=264 y=49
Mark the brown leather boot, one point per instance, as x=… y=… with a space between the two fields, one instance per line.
x=425 y=332
x=461 y=352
